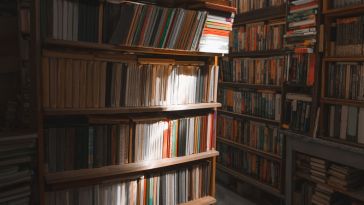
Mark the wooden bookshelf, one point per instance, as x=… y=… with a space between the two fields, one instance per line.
x=250 y=117
x=55 y=43
x=358 y=194
x=261 y=15
x=336 y=101
x=344 y=59
x=248 y=148
x=257 y=54
x=252 y=181
x=252 y=86
x=350 y=10
x=202 y=201
x=342 y=142
x=126 y=169
x=126 y=110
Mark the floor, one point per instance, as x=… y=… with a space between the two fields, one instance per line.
x=227 y=197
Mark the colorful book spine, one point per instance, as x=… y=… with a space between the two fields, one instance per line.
x=297 y=116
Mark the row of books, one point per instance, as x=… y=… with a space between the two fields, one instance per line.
x=265 y=104
x=258 y=36
x=345 y=80
x=254 y=134
x=102 y=143
x=335 y=4
x=16 y=167
x=244 y=6
x=301 y=20
x=261 y=169
x=74 y=83
x=345 y=123
x=298 y=112
x=166 y=188
x=136 y=24
x=347 y=36
x=262 y=71
x=300 y=69
x=76 y=20
x=215 y=35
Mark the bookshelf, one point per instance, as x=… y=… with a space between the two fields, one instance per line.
x=337 y=62
x=120 y=117
x=235 y=80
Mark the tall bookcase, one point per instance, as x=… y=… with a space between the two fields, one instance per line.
x=245 y=136
x=64 y=111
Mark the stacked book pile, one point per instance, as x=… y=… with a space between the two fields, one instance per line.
x=254 y=134
x=345 y=178
x=265 y=104
x=215 y=35
x=74 y=83
x=170 y=188
x=244 y=6
x=16 y=168
x=318 y=170
x=104 y=142
x=347 y=36
x=323 y=195
x=297 y=114
x=345 y=123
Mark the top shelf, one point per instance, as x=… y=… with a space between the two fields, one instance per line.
x=54 y=43
x=351 y=10
x=261 y=15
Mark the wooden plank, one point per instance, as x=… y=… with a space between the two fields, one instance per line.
x=350 y=10
x=251 y=117
x=258 y=53
x=344 y=59
x=336 y=101
x=251 y=181
x=126 y=169
x=261 y=15
x=207 y=200
x=252 y=86
x=124 y=110
x=247 y=148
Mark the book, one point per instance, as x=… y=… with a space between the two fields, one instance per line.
x=100 y=142
x=244 y=6
x=253 y=134
x=76 y=83
x=259 y=168
x=166 y=187
x=344 y=3
x=259 y=36
x=300 y=69
x=260 y=103
x=297 y=113
x=261 y=71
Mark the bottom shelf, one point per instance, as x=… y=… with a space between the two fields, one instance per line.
x=207 y=200
x=357 y=194
x=276 y=192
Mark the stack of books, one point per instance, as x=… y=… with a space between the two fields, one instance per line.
x=345 y=178
x=345 y=122
x=297 y=114
x=104 y=142
x=215 y=35
x=16 y=168
x=347 y=36
x=318 y=170
x=171 y=187
x=323 y=195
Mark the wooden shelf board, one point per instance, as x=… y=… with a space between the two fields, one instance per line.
x=261 y=15
x=124 y=110
x=345 y=59
x=253 y=86
x=340 y=141
x=251 y=117
x=251 y=149
x=124 y=49
x=358 y=194
x=351 y=10
x=257 y=53
x=336 y=101
x=126 y=169
x=252 y=181
x=207 y=200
